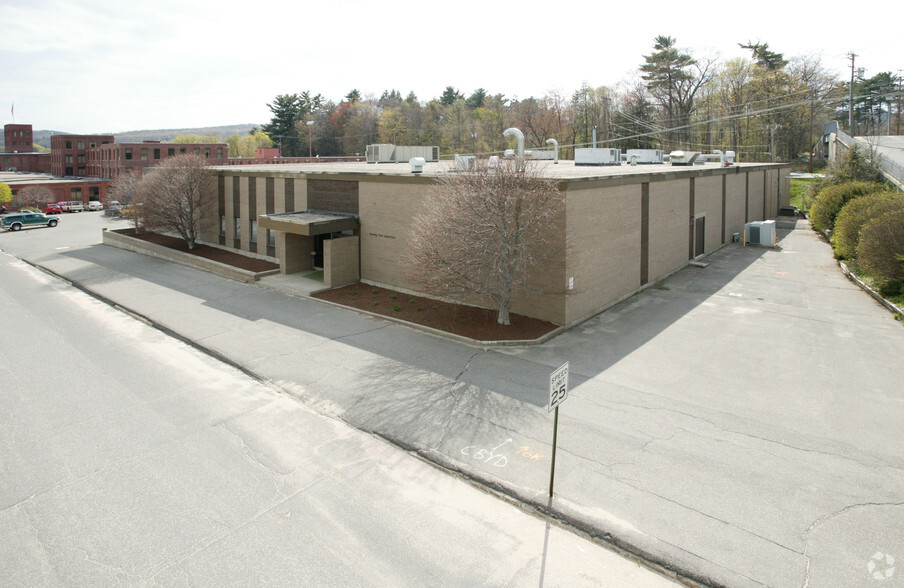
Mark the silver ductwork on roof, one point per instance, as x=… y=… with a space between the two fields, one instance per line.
x=513 y=132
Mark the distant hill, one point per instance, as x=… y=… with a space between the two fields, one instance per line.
x=43 y=137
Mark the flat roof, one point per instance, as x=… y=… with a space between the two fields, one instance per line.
x=309 y=222
x=565 y=169
x=16 y=178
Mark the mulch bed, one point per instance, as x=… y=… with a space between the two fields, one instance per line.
x=213 y=253
x=466 y=321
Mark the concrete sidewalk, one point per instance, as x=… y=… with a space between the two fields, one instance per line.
x=740 y=423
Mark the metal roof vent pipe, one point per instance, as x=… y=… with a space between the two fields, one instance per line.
x=513 y=132
x=555 y=146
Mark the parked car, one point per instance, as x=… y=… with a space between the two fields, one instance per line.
x=23 y=220
x=113 y=208
x=72 y=206
x=130 y=210
x=2 y=209
x=95 y=205
x=52 y=208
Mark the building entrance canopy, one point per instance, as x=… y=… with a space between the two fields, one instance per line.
x=309 y=222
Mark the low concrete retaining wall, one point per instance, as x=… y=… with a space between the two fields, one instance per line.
x=895 y=309
x=122 y=241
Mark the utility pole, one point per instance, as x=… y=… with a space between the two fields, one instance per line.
x=898 y=124
x=851 y=56
x=772 y=129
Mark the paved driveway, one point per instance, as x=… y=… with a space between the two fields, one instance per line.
x=742 y=422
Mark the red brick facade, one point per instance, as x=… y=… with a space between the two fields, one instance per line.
x=69 y=153
x=18 y=139
x=65 y=190
x=113 y=160
x=29 y=162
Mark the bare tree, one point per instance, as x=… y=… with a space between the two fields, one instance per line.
x=33 y=197
x=488 y=233
x=125 y=189
x=175 y=196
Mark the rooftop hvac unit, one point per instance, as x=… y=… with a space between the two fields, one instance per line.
x=545 y=154
x=465 y=162
x=380 y=153
x=683 y=157
x=405 y=153
x=597 y=156
x=389 y=153
x=635 y=156
x=760 y=233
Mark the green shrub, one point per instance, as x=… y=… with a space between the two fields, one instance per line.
x=831 y=199
x=397 y=308
x=891 y=288
x=376 y=303
x=374 y=291
x=857 y=166
x=855 y=214
x=881 y=247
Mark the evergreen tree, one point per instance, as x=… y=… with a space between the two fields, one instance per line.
x=673 y=79
x=450 y=96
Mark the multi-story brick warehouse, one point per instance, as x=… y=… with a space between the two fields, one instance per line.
x=69 y=153
x=113 y=160
x=626 y=226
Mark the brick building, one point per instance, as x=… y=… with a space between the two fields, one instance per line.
x=17 y=139
x=69 y=153
x=19 y=151
x=63 y=189
x=115 y=159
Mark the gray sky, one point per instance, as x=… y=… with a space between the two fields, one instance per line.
x=97 y=66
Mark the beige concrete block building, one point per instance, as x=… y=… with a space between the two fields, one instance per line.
x=625 y=226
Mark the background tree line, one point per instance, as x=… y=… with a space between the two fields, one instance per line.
x=765 y=107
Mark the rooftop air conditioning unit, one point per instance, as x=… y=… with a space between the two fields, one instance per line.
x=405 y=153
x=643 y=156
x=597 y=156
x=465 y=162
x=380 y=153
x=543 y=154
x=683 y=157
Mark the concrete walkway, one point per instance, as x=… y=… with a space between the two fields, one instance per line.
x=741 y=423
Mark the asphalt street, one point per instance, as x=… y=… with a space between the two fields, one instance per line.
x=739 y=422
x=129 y=458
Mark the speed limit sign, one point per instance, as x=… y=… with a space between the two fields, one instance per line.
x=558 y=386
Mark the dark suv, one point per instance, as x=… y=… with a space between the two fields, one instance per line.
x=21 y=220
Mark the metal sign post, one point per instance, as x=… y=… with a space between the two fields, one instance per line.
x=558 y=392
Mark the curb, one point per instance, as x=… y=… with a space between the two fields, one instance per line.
x=884 y=302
